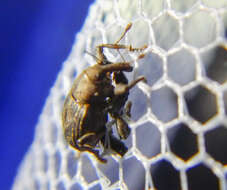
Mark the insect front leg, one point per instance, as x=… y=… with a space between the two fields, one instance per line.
x=119 y=66
x=118 y=47
x=121 y=89
x=100 y=47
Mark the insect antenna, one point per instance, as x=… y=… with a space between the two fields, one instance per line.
x=104 y=61
x=122 y=36
x=92 y=55
x=126 y=30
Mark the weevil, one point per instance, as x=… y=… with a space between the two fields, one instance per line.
x=100 y=90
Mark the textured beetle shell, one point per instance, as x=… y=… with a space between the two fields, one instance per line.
x=92 y=86
x=80 y=119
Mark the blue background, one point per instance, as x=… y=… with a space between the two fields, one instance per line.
x=35 y=38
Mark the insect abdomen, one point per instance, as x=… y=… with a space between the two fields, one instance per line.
x=73 y=117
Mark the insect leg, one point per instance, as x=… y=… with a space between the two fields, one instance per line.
x=128 y=108
x=120 y=46
x=94 y=152
x=87 y=138
x=116 y=145
x=123 y=129
x=101 y=56
x=124 y=88
x=120 y=66
x=133 y=83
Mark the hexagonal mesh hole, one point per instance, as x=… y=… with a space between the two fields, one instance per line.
x=170 y=31
x=96 y=187
x=151 y=66
x=203 y=33
x=148 y=140
x=76 y=187
x=165 y=176
x=72 y=164
x=60 y=186
x=182 y=6
x=225 y=101
x=213 y=4
x=164 y=104
x=201 y=103
x=215 y=62
x=183 y=142
x=88 y=171
x=133 y=170
x=215 y=141
x=141 y=105
x=139 y=42
x=201 y=177
x=37 y=185
x=55 y=163
x=111 y=171
x=182 y=60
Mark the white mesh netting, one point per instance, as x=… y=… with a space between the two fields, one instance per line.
x=179 y=133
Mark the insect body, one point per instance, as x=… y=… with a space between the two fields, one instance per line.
x=99 y=90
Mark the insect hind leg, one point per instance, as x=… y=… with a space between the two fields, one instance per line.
x=84 y=148
x=115 y=145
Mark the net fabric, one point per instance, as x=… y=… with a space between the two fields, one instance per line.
x=179 y=126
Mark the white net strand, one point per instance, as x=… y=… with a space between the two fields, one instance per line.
x=179 y=128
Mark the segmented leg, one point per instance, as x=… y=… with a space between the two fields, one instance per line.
x=91 y=150
x=124 y=88
x=88 y=147
x=116 y=46
x=128 y=108
x=115 y=145
x=123 y=129
x=120 y=66
x=87 y=138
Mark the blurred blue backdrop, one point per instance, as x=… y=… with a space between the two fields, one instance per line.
x=35 y=38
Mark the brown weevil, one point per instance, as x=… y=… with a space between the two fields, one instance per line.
x=100 y=91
